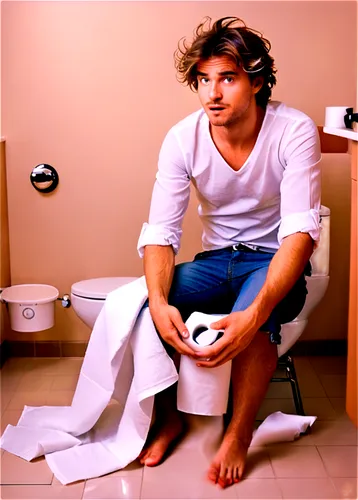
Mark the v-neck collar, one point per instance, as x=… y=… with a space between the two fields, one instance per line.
x=254 y=152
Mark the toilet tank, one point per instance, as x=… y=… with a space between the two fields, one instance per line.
x=320 y=257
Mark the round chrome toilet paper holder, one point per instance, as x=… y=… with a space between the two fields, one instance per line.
x=44 y=178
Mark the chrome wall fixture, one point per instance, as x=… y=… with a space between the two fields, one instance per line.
x=65 y=301
x=44 y=178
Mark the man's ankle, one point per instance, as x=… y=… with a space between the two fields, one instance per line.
x=244 y=435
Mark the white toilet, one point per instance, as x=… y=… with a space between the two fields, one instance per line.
x=88 y=296
x=317 y=285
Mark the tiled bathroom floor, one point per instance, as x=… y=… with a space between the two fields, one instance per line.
x=321 y=465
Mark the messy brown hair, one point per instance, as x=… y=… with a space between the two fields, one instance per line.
x=247 y=47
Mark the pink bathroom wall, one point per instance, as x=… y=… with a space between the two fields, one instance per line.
x=90 y=88
x=5 y=279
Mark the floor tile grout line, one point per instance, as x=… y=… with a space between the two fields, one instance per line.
x=331 y=482
x=236 y=491
x=141 y=484
x=277 y=478
x=336 y=375
x=14 y=390
x=271 y=464
x=307 y=477
x=331 y=477
x=324 y=465
x=84 y=487
x=279 y=487
x=333 y=445
x=319 y=376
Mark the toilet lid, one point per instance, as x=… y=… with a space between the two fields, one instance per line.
x=99 y=288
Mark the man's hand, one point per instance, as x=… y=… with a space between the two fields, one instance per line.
x=240 y=329
x=171 y=327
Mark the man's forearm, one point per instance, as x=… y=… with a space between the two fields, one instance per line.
x=159 y=264
x=285 y=268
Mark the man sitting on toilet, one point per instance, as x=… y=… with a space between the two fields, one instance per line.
x=254 y=164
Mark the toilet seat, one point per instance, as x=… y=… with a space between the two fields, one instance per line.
x=98 y=288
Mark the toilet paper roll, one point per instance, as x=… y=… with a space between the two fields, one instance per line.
x=202 y=391
x=334 y=117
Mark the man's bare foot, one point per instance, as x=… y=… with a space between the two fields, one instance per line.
x=164 y=438
x=229 y=462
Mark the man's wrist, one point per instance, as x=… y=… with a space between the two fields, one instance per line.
x=259 y=314
x=156 y=301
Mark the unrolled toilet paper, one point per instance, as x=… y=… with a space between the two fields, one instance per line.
x=125 y=362
x=202 y=391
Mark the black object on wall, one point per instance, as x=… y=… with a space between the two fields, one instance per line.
x=44 y=178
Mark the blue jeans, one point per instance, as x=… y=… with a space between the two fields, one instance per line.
x=229 y=279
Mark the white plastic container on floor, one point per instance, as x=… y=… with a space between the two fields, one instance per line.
x=31 y=307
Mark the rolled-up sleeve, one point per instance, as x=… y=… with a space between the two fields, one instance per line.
x=170 y=198
x=301 y=183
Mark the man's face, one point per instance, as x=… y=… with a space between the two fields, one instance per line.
x=225 y=91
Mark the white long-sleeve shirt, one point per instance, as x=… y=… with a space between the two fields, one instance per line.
x=274 y=194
